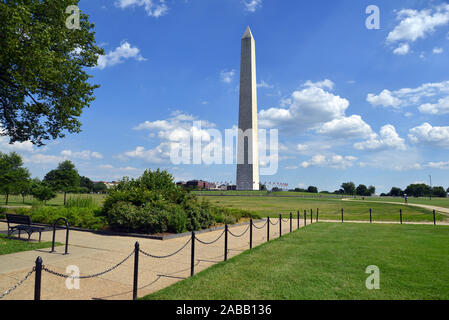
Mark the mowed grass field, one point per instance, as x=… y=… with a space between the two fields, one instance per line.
x=329 y=209
x=327 y=261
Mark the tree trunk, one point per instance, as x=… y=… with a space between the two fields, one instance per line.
x=7 y=196
x=64 y=197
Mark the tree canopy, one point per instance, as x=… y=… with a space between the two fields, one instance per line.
x=13 y=177
x=43 y=86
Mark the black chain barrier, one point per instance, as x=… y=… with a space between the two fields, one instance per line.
x=167 y=256
x=62 y=275
x=39 y=266
x=261 y=227
x=238 y=236
x=212 y=242
x=4 y=294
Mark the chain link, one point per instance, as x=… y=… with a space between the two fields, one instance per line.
x=167 y=256
x=89 y=276
x=261 y=227
x=274 y=223
x=212 y=242
x=238 y=235
x=17 y=284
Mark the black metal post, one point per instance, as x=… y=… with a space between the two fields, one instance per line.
x=311 y=216
x=291 y=227
x=226 y=244
x=136 y=269
x=434 y=219
x=268 y=229
x=400 y=215
x=370 y=217
x=37 y=279
x=298 y=219
x=317 y=213
x=192 y=256
x=251 y=233
x=305 y=217
x=280 y=225
x=342 y=215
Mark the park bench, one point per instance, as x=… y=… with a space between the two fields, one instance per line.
x=22 y=223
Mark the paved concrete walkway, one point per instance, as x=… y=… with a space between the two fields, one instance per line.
x=442 y=210
x=93 y=253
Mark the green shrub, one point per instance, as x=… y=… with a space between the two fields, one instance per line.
x=2 y=213
x=81 y=202
x=77 y=217
x=153 y=203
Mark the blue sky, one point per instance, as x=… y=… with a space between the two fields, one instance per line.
x=350 y=104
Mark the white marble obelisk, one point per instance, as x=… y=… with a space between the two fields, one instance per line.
x=247 y=145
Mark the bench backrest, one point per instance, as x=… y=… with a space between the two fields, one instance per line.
x=17 y=218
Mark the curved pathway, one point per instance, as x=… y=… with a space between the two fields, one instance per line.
x=443 y=211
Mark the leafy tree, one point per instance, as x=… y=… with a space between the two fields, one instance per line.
x=100 y=187
x=312 y=189
x=13 y=177
x=64 y=178
x=86 y=183
x=42 y=191
x=43 y=83
x=262 y=187
x=418 y=190
x=396 y=192
x=348 y=187
x=371 y=190
x=362 y=190
x=439 y=192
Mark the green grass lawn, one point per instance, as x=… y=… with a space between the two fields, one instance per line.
x=12 y=245
x=328 y=208
x=328 y=261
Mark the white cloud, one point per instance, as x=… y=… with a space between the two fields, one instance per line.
x=325 y=84
x=334 y=161
x=416 y=25
x=252 y=5
x=385 y=99
x=154 y=8
x=387 y=138
x=227 y=76
x=347 y=127
x=263 y=84
x=125 y=51
x=84 y=155
x=438 y=50
x=409 y=96
x=426 y=134
x=309 y=107
x=439 y=108
x=402 y=50
x=40 y=158
x=302 y=147
x=438 y=165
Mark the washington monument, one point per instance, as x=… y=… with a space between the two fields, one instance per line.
x=247 y=145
